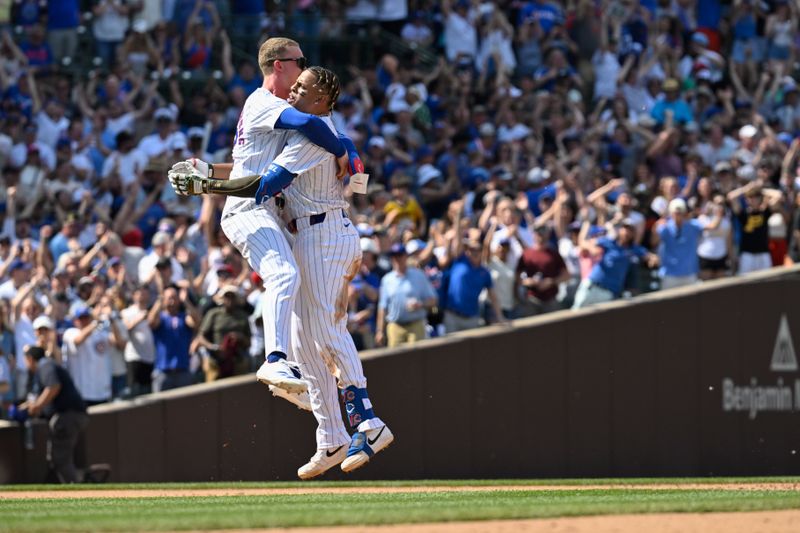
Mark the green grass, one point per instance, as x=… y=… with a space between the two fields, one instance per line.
x=165 y=514
x=407 y=483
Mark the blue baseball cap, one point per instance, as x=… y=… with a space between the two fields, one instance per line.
x=81 y=312
x=397 y=249
x=423 y=151
x=19 y=263
x=596 y=231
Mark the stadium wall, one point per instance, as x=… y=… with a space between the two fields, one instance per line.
x=692 y=382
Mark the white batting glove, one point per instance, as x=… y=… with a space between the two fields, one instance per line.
x=188 y=183
x=205 y=170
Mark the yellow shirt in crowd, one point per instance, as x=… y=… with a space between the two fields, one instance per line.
x=410 y=209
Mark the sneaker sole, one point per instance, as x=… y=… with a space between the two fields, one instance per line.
x=354 y=465
x=293 y=386
x=312 y=476
x=291 y=398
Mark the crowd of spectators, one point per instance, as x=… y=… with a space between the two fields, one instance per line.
x=554 y=156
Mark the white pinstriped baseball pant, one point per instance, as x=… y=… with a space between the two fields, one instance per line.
x=328 y=255
x=258 y=234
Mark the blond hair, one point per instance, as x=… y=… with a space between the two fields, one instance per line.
x=272 y=49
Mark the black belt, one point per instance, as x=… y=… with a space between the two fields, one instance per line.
x=313 y=220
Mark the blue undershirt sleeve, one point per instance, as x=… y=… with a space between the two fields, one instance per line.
x=273 y=181
x=312 y=127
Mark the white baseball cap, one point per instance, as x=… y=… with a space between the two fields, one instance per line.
x=748 y=132
x=164 y=112
x=538 y=175
x=415 y=245
x=178 y=142
x=426 y=174
x=378 y=141
x=43 y=321
x=368 y=245
x=677 y=205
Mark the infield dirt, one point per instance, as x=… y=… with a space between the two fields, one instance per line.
x=213 y=492
x=759 y=522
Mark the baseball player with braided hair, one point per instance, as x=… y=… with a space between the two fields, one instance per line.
x=328 y=254
x=256 y=229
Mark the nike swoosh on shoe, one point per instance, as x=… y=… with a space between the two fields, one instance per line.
x=331 y=454
x=373 y=441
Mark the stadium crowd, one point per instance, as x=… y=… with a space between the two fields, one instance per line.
x=553 y=155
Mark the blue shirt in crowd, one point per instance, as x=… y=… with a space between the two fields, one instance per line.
x=63 y=14
x=466 y=282
x=682 y=113
x=545 y=13
x=534 y=195
x=363 y=302
x=678 y=248
x=397 y=290
x=172 y=338
x=59 y=245
x=610 y=272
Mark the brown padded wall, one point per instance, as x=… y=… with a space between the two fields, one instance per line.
x=632 y=376
x=588 y=354
x=719 y=339
x=676 y=449
x=633 y=389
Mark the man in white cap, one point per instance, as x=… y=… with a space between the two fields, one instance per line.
x=747 y=144
x=161 y=141
x=677 y=238
x=161 y=249
x=45 y=332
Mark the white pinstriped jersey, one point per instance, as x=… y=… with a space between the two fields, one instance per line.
x=257 y=143
x=316 y=189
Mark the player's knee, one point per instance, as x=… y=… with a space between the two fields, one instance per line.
x=285 y=282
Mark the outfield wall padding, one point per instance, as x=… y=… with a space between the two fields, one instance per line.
x=631 y=388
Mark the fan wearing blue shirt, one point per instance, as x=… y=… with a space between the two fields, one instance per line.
x=173 y=320
x=465 y=281
x=405 y=298
x=677 y=238
x=607 y=278
x=545 y=13
x=672 y=102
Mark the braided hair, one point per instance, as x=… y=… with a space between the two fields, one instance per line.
x=327 y=83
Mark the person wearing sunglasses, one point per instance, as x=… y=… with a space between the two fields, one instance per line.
x=256 y=229
x=328 y=253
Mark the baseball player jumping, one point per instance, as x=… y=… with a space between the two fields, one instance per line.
x=256 y=229
x=328 y=255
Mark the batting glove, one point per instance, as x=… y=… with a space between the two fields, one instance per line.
x=198 y=166
x=188 y=184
